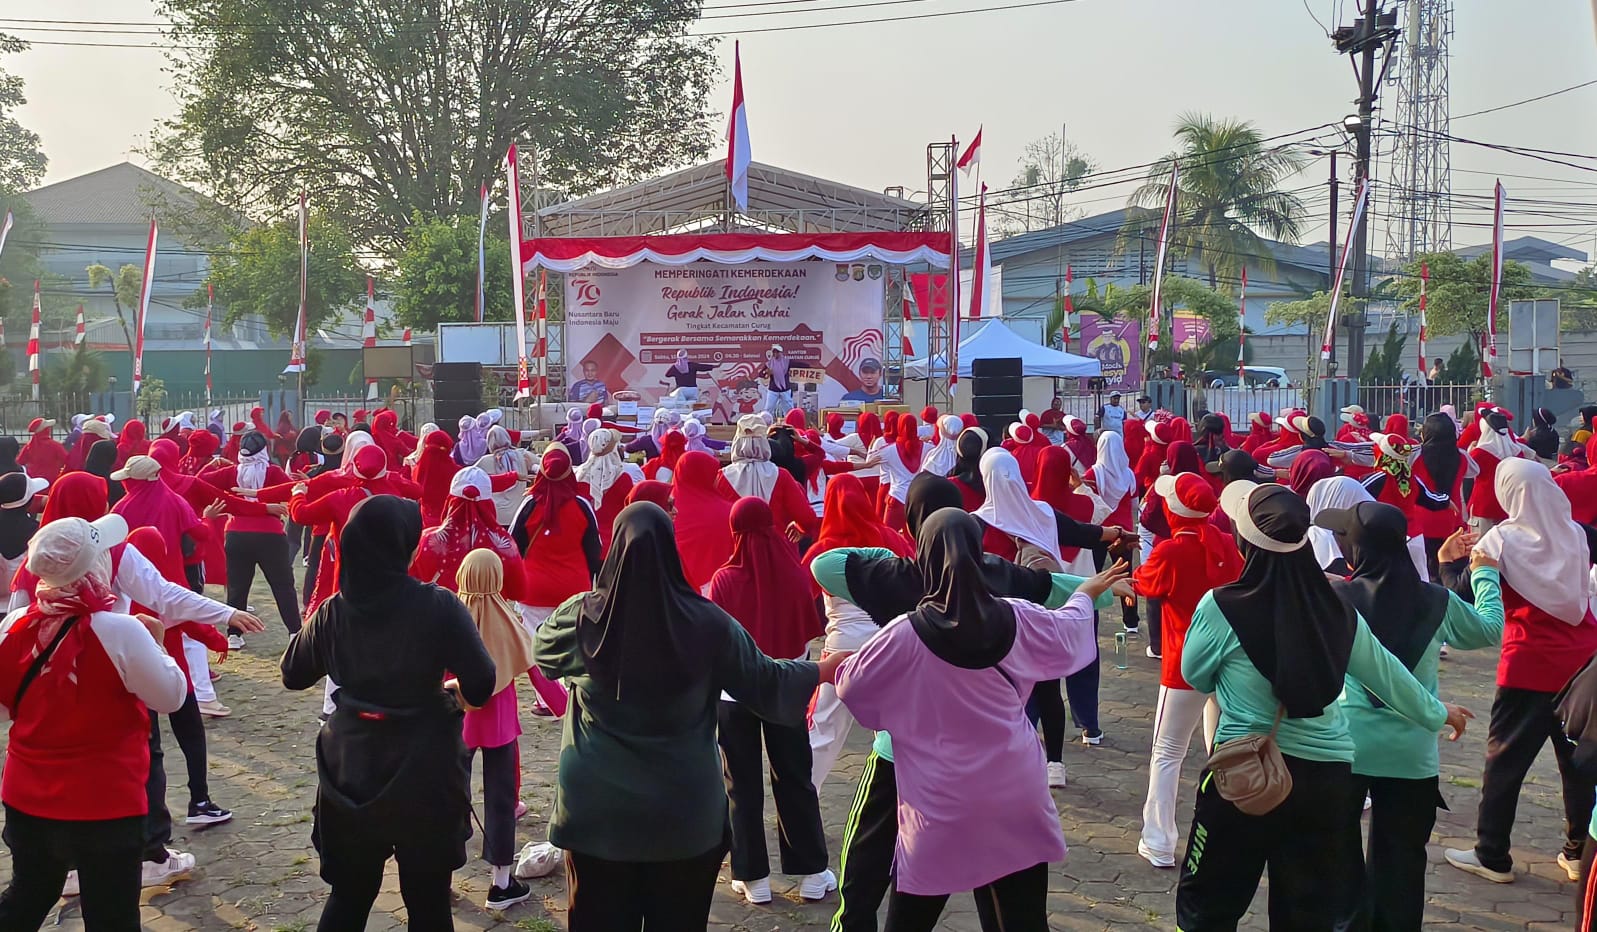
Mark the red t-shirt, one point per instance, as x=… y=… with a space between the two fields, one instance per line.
x=1541 y=652
x=1483 y=495
x=1180 y=570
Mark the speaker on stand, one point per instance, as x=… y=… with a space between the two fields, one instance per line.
x=997 y=387
x=457 y=393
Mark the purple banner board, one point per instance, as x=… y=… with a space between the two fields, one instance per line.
x=1117 y=345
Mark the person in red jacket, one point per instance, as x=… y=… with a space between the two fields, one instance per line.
x=1549 y=633
x=43 y=456
x=557 y=534
x=605 y=477
x=256 y=542
x=1194 y=559
x=1261 y=430
x=435 y=469
x=751 y=472
x=369 y=477
x=703 y=516
x=1496 y=444
x=187 y=723
x=396 y=443
x=1439 y=473
x=78 y=753
x=285 y=439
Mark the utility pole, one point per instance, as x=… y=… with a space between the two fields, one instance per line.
x=1335 y=185
x=1373 y=32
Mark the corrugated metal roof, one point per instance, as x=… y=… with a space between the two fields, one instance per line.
x=119 y=194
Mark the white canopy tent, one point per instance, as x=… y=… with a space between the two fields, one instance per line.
x=994 y=340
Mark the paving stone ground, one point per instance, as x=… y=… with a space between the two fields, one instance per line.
x=259 y=873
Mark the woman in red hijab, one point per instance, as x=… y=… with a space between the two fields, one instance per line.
x=200 y=496
x=662 y=467
x=434 y=470
x=258 y=421
x=703 y=528
x=43 y=456
x=900 y=463
x=1309 y=467
x=1025 y=450
x=1397 y=426
x=847 y=521
x=1055 y=486
x=76 y=495
x=655 y=493
x=150 y=502
x=557 y=533
x=202 y=455
x=131 y=443
x=287 y=437
x=1261 y=430
x=1135 y=437
x=394 y=442
x=869 y=429
x=1147 y=466
x=757 y=587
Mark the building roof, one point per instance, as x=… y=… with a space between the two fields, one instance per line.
x=693 y=198
x=119 y=194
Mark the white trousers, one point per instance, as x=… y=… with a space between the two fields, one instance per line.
x=1174 y=719
x=831 y=721
x=199 y=661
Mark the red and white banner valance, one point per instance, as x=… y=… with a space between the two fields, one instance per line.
x=619 y=252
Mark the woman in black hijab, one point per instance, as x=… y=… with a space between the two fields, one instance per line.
x=968 y=449
x=1276 y=646
x=1440 y=472
x=1211 y=441
x=640 y=804
x=390 y=762
x=9 y=448
x=1542 y=437
x=1395 y=762
x=101 y=462
x=17 y=524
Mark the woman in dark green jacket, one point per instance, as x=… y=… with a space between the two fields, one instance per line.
x=640 y=804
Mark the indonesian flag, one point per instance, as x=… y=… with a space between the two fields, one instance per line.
x=296 y=351
x=982 y=266
x=143 y=310
x=1490 y=356
x=79 y=334
x=407 y=336
x=1155 y=311
x=971 y=159
x=517 y=285
x=5 y=230
x=33 y=342
x=1242 y=330
x=368 y=329
x=1425 y=279
x=210 y=304
x=1070 y=308
x=482 y=259
x=737 y=138
x=1341 y=273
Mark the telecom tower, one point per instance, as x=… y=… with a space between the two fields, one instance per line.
x=1419 y=189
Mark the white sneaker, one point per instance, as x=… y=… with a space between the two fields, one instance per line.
x=1132 y=632
x=816 y=886
x=213 y=708
x=1152 y=654
x=177 y=866
x=1572 y=868
x=1465 y=860
x=235 y=642
x=1056 y=774
x=70 y=888
x=1162 y=861
x=1091 y=740
x=757 y=892
x=538 y=860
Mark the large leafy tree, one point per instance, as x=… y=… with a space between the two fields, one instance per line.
x=1459 y=293
x=258 y=274
x=1228 y=196
x=437 y=279
x=383 y=109
x=22 y=165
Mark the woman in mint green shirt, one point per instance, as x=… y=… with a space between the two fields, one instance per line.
x=1395 y=760
x=1280 y=639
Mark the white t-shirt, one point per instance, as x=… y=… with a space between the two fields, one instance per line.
x=1114 y=417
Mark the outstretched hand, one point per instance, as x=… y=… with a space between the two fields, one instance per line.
x=1457 y=718
x=1096 y=586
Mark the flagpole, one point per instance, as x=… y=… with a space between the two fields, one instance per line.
x=951 y=354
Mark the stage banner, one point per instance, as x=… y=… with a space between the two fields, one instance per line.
x=1118 y=346
x=624 y=328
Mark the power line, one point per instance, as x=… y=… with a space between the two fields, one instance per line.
x=1528 y=100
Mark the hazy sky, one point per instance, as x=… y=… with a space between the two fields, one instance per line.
x=860 y=103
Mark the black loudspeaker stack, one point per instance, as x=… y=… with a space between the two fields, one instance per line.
x=457 y=393
x=996 y=389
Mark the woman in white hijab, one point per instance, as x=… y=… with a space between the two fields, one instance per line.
x=503 y=457
x=1113 y=479
x=751 y=471
x=939 y=460
x=1344 y=492
x=1010 y=510
x=421 y=435
x=606 y=478
x=1548 y=633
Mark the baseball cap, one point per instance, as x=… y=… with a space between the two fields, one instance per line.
x=1142 y=398
x=38 y=424
x=1376 y=522
x=18 y=489
x=870 y=364
x=66 y=548
x=1114 y=394
x=143 y=468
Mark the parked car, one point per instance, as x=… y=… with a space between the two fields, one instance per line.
x=1257 y=376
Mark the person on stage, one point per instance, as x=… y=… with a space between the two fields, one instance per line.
x=684 y=373
x=778 y=390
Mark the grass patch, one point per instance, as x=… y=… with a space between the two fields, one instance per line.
x=1466 y=782
x=537 y=925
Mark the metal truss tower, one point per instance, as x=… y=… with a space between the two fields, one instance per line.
x=1419 y=187
x=940 y=158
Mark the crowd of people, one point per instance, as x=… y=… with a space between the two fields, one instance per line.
x=663 y=593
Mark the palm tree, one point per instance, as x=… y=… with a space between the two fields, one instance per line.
x=1228 y=195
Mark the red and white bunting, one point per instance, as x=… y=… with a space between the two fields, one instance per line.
x=296 y=350
x=80 y=333
x=1425 y=279
x=1070 y=308
x=33 y=342
x=737 y=138
x=1155 y=308
x=143 y=310
x=517 y=284
x=210 y=305
x=1341 y=273
x=1489 y=358
x=368 y=327
x=1242 y=330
